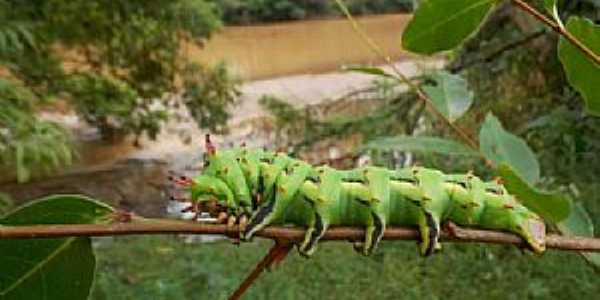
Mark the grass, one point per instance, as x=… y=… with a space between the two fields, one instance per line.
x=164 y=267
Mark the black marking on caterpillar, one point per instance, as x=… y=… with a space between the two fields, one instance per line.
x=314 y=236
x=433 y=233
x=377 y=233
x=259 y=217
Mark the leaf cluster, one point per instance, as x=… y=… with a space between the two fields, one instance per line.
x=118 y=64
x=27 y=143
x=209 y=93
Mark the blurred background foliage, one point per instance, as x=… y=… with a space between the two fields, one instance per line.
x=117 y=63
x=258 y=11
x=28 y=144
x=212 y=271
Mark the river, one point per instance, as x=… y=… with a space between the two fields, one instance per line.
x=315 y=46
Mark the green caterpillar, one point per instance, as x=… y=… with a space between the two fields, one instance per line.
x=273 y=188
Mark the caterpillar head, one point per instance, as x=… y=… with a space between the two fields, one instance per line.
x=212 y=195
x=180 y=204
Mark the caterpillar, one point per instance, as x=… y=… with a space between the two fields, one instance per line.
x=262 y=188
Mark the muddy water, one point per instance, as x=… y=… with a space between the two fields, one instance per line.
x=273 y=50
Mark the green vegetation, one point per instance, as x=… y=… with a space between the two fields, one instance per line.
x=167 y=268
x=27 y=143
x=118 y=64
x=259 y=11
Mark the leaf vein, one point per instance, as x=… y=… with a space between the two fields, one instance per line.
x=38 y=267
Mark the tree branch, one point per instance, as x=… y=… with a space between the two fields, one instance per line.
x=164 y=226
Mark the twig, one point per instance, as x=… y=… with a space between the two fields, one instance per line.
x=163 y=226
x=277 y=251
x=498 y=52
x=558 y=29
x=413 y=86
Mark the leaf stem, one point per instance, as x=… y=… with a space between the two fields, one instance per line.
x=558 y=29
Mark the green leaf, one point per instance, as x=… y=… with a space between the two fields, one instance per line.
x=583 y=74
x=553 y=207
x=552 y=7
x=579 y=223
x=501 y=146
x=451 y=95
x=421 y=144
x=440 y=25
x=593 y=258
x=369 y=70
x=50 y=268
x=27 y=36
x=549 y=5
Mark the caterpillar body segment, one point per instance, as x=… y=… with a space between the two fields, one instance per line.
x=223 y=165
x=249 y=162
x=274 y=188
x=435 y=203
x=283 y=182
x=489 y=205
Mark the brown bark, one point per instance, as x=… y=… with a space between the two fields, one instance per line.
x=160 y=226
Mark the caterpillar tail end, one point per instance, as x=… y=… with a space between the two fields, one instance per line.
x=533 y=230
